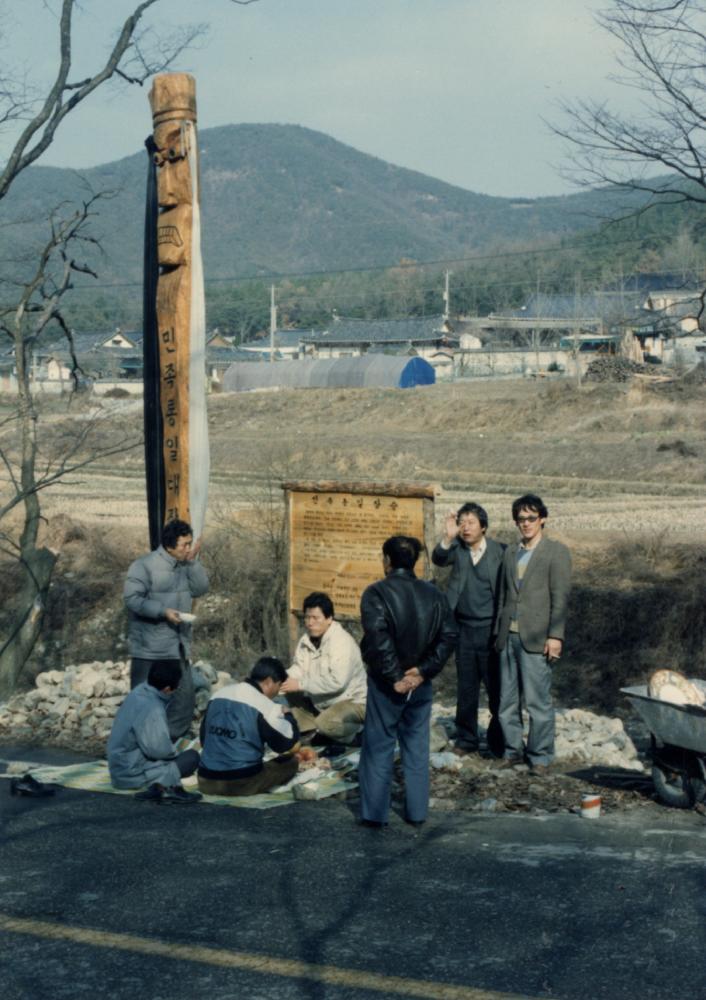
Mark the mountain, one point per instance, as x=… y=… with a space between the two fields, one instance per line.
x=283 y=198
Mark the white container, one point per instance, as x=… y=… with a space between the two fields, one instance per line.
x=590 y=806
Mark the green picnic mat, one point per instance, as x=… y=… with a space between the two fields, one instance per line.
x=93 y=776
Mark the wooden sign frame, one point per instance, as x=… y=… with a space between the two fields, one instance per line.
x=335 y=532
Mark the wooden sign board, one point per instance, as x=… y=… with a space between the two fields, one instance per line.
x=336 y=532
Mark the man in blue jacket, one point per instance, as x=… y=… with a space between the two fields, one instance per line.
x=159 y=588
x=240 y=721
x=140 y=751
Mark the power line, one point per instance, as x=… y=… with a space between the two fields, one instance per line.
x=413 y=265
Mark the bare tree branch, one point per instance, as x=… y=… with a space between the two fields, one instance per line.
x=35 y=462
x=65 y=95
x=660 y=150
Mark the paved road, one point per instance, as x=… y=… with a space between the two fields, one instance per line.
x=101 y=895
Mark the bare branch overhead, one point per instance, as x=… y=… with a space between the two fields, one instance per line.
x=135 y=56
x=659 y=148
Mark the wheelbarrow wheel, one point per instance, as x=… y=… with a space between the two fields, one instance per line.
x=673 y=787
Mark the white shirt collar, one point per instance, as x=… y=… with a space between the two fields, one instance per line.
x=477 y=554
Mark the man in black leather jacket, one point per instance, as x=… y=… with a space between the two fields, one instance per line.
x=409 y=634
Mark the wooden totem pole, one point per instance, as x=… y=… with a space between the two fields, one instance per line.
x=176 y=428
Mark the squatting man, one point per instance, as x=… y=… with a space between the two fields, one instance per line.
x=241 y=720
x=326 y=683
x=140 y=749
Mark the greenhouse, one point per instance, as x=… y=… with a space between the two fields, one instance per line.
x=368 y=371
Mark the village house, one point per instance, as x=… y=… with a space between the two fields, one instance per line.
x=286 y=345
x=116 y=358
x=565 y=330
x=423 y=336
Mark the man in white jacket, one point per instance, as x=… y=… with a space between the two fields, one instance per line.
x=326 y=684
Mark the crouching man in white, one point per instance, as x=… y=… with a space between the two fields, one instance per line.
x=140 y=750
x=326 y=684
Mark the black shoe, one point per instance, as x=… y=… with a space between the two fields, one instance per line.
x=372 y=824
x=416 y=823
x=178 y=796
x=151 y=794
x=333 y=750
x=507 y=762
x=539 y=770
x=319 y=739
x=30 y=787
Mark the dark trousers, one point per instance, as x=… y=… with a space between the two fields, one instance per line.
x=180 y=709
x=476 y=662
x=390 y=717
x=274 y=772
x=187 y=761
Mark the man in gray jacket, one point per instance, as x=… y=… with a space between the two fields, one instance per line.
x=140 y=751
x=159 y=588
x=476 y=562
x=534 y=597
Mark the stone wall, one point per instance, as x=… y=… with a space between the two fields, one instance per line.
x=76 y=707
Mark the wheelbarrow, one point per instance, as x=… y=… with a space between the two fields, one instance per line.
x=678 y=746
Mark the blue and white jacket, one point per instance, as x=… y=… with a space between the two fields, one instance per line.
x=239 y=721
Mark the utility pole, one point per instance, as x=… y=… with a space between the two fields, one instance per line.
x=577 y=328
x=446 y=297
x=273 y=323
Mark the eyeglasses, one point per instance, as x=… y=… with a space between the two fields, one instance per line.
x=528 y=519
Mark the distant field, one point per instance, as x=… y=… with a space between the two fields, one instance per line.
x=591 y=453
x=621 y=468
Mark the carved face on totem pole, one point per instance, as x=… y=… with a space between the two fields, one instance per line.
x=173 y=101
x=174 y=193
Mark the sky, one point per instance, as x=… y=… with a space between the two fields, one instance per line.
x=457 y=89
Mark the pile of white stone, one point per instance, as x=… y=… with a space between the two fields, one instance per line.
x=594 y=739
x=581 y=737
x=76 y=707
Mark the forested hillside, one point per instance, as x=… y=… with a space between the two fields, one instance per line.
x=284 y=200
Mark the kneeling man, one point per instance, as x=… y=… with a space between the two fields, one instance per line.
x=326 y=684
x=140 y=749
x=240 y=720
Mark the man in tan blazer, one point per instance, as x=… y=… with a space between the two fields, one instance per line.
x=534 y=594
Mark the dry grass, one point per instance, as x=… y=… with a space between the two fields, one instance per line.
x=628 y=502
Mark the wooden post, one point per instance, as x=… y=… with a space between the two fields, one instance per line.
x=179 y=301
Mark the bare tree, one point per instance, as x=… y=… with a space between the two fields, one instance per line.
x=660 y=150
x=137 y=54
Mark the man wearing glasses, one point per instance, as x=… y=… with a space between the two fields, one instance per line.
x=534 y=594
